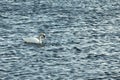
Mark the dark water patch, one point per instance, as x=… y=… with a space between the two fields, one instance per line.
x=55 y=44
x=77 y=50
x=9 y=54
x=5 y=17
x=92 y=41
x=87 y=49
x=97 y=56
x=113 y=50
x=56 y=49
x=2 y=70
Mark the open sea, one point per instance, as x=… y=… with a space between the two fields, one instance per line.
x=82 y=40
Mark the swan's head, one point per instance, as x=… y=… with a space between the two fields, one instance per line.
x=42 y=35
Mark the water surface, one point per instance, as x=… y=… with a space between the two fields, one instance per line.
x=82 y=40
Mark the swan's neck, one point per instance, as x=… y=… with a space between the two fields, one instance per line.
x=40 y=40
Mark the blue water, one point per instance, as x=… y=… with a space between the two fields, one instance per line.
x=82 y=40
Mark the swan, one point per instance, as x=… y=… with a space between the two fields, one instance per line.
x=37 y=40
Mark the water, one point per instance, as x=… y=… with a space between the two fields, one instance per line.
x=82 y=40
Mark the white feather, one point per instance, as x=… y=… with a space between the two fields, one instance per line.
x=31 y=40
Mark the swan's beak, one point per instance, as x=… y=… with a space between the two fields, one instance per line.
x=44 y=36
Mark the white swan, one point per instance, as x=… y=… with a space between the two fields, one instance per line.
x=37 y=40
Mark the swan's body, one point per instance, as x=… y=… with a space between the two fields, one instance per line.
x=32 y=40
x=37 y=40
